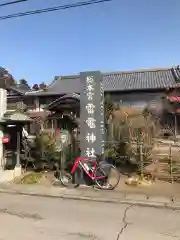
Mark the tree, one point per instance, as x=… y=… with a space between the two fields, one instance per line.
x=42 y=86
x=24 y=84
x=109 y=109
x=6 y=78
x=35 y=87
x=23 y=81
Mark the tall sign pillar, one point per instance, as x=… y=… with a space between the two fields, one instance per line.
x=91 y=114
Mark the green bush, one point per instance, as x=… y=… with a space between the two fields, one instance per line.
x=45 y=148
x=70 y=156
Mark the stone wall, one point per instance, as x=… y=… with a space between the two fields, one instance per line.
x=3 y=109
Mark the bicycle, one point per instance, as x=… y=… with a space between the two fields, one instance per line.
x=98 y=172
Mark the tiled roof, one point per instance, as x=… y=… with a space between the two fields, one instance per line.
x=121 y=81
x=150 y=79
x=16 y=116
x=74 y=96
x=19 y=88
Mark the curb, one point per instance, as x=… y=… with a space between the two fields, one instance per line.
x=140 y=203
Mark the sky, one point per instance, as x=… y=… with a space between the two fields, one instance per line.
x=113 y=36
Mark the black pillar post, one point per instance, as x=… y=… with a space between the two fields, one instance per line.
x=18 y=148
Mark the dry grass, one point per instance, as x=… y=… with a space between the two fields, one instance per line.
x=132 y=115
x=42 y=178
x=31 y=178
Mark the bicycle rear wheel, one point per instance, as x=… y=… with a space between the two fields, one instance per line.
x=104 y=174
x=70 y=180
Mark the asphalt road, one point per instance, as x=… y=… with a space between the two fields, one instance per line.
x=24 y=217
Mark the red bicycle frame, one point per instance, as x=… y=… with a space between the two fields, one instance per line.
x=81 y=161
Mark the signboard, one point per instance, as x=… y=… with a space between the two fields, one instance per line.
x=91 y=114
x=5 y=139
x=62 y=139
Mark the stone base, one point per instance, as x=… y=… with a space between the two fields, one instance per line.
x=9 y=175
x=17 y=171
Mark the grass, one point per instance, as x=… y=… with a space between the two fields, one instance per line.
x=31 y=178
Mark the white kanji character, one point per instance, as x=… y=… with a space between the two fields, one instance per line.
x=102 y=130
x=90 y=79
x=91 y=122
x=102 y=123
x=102 y=104
x=91 y=137
x=90 y=108
x=90 y=87
x=102 y=150
x=90 y=152
x=90 y=95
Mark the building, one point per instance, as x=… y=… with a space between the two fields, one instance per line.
x=11 y=128
x=134 y=89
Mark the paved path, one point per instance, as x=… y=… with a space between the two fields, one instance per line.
x=27 y=217
x=90 y=194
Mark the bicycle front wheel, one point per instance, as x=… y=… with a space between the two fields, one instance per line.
x=107 y=176
x=70 y=180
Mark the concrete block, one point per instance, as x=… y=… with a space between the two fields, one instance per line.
x=160 y=199
x=6 y=175
x=17 y=171
x=136 y=197
x=9 y=175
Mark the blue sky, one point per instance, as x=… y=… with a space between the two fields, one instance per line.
x=119 y=35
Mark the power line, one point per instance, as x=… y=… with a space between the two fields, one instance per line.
x=12 y=2
x=62 y=7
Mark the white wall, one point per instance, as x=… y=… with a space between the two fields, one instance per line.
x=3 y=109
x=3 y=102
